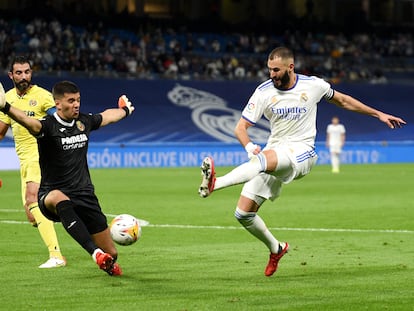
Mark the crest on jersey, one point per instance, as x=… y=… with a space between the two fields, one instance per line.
x=303 y=97
x=80 y=126
x=33 y=102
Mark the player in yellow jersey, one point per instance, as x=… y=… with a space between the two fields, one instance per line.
x=37 y=103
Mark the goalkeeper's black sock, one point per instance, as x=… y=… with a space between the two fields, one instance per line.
x=74 y=225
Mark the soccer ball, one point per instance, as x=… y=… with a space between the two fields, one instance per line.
x=125 y=229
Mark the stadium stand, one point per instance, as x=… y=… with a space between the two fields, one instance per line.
x=96 y=50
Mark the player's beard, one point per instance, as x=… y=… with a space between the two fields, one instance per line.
x=22 y=86
x=282 y=83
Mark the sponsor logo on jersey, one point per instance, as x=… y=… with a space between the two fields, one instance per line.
x=289 y=113
x=74 y=142
x=74 y=139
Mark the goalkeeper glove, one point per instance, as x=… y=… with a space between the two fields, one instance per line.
x=124 y=103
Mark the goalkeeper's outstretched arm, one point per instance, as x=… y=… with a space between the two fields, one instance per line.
x=125 y=108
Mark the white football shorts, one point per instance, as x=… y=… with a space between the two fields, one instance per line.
x=335 y=148
x=295 y=160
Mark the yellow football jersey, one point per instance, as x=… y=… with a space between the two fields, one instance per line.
x=34 y=103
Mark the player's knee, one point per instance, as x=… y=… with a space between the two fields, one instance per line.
x=260 y=161
x=244 y=218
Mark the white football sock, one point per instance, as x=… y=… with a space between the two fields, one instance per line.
x=335 y=161
x=242 y=173
x=256 y=226
x=96 y=251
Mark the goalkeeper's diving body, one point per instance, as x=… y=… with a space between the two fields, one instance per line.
x=66 y=191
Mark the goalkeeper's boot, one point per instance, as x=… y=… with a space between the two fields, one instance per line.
x=104 y=260
x=208 y=177
x=116 y=270
x=274 y=259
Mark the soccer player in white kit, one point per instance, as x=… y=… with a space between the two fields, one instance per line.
x=335 y=140
x=289 y=101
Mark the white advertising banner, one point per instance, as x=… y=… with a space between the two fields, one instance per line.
x=8 y=159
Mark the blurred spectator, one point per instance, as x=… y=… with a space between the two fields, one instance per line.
x=95 y=50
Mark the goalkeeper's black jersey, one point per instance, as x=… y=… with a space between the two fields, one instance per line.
x=63 y=148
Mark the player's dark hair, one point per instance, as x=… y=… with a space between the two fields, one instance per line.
x=21 y=59
x=282 y=52
x=62 y=87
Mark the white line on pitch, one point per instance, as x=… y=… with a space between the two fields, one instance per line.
x=284 y=229
x=147 y=224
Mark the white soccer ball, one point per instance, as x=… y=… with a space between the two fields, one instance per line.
x=125 y=229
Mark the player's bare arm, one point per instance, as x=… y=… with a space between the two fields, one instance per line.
x=242 y=135
x=350 y=103
x=33 y=125
x=112 y=115
x=3 y=129
x=125 y=108
x=241 y=131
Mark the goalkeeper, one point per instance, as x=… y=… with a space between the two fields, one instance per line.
x=66 y=191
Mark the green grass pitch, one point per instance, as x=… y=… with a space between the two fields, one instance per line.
x=351 y=236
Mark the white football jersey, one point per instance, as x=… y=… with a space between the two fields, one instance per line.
x=335 y=132
x=291 y=113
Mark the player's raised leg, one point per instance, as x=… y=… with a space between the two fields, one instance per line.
x=242 y=173
x=208 y=177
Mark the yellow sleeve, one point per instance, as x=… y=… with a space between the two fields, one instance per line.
x=35 y=103
x=4 y=118
x=47 y=100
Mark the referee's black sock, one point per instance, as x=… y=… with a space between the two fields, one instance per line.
x=74 y=225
